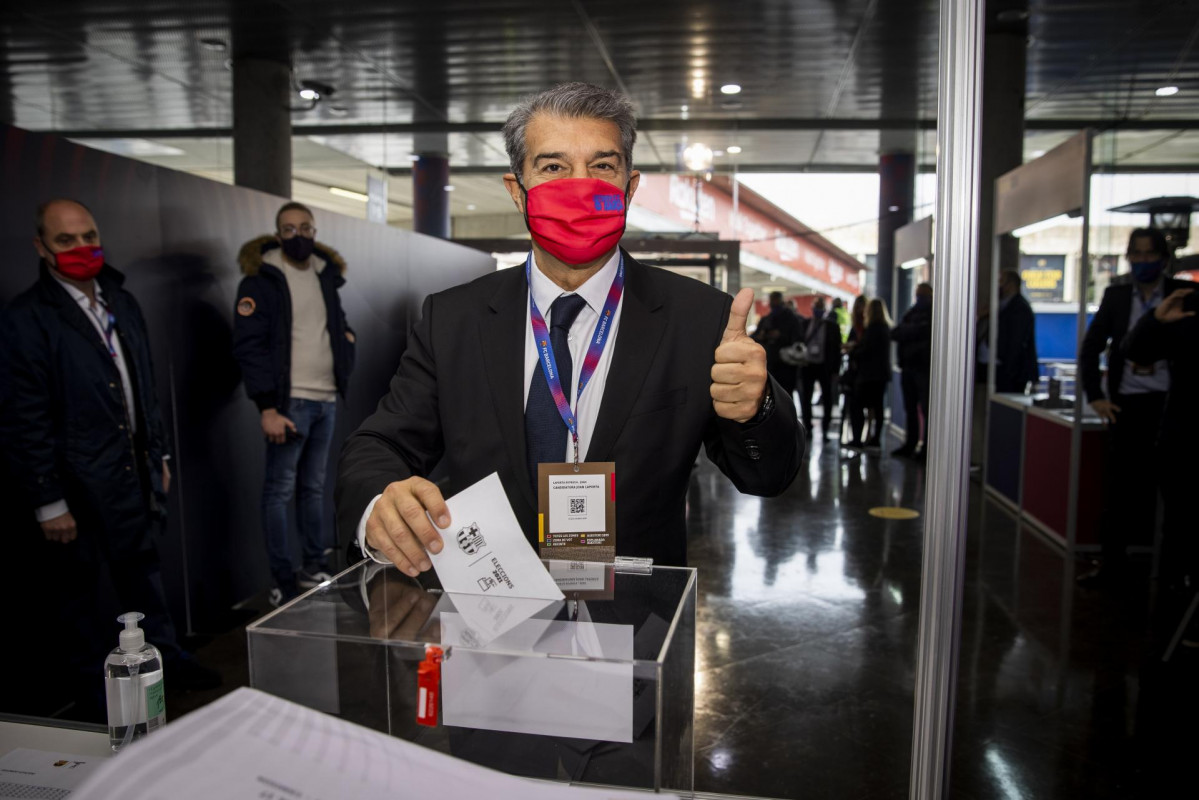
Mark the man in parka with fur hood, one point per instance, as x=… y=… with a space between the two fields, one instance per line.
x=296 y=353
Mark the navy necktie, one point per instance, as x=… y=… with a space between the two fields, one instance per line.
x=545 y=431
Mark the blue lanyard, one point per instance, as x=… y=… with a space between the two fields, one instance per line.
x=599 y=337
x=106 y=328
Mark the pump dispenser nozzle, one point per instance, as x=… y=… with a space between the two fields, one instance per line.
x=133 y=638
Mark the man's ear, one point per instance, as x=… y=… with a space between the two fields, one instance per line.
x=634 y=182
x=42 y=250
x=515 y=192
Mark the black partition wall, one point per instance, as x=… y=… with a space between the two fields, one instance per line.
x=176 y=238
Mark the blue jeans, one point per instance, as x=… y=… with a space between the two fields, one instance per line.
x=298 y=467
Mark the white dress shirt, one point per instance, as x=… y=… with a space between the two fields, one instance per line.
x=97 y=314
x=1158 y=378
x=594 y=292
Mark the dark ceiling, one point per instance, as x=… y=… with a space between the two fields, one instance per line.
x=827 y=83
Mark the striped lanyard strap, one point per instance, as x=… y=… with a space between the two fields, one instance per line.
x=599 y=337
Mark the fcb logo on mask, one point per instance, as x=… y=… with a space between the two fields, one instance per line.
x=470 y=539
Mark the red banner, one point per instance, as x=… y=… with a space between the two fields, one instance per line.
x=675 y=197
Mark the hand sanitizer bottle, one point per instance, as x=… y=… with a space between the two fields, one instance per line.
x=133 y=685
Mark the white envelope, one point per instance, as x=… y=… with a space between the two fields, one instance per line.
x=486 y=552
x=543 y=692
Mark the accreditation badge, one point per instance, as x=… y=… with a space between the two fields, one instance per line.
x=576 y=511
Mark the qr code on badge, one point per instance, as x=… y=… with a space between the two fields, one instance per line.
x=578 y=505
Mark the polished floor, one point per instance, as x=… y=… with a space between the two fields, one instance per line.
x=808 y=610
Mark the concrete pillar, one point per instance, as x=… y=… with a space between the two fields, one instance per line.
x=262 y=97
x=896 y=195
x=1004 y=56
x=1002 y=128
x=430 y=200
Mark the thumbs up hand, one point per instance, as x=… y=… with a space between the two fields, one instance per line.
x=739 y=371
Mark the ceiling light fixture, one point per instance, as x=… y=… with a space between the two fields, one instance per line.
x=313 y=91
x=471 y=207
x=731 y=88
x=347 y=194
x=733 y=149
x=1166 y=91
x=449 y=187
x=698 y=157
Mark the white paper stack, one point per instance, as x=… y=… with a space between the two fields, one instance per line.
x=250 y=745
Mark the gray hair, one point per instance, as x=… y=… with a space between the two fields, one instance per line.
x=570 y=100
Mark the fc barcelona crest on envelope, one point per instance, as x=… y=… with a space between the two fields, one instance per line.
x=470 y=539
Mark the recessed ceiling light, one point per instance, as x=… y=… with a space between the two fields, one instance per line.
x=215 y=45
x=449 y=187
x=471 y=207
x=413 y=157
x=347 y=194
x=731 y=88
x=733 y=149
x=310 y=94
x=1166 y=91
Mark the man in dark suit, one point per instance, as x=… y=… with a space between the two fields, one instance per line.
x=822 y=336
x=470 y=389
x=1133 y=401
x=1016 y=351
x=914 y=334
x=1172 y=332
x=81 y=432
x=778 y=329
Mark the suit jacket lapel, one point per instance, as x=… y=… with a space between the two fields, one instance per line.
x=502 y=342
x=642 y=323
x=75 y=316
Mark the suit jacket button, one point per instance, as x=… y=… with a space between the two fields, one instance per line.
x=111 y=385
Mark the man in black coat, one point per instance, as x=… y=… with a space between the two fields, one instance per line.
x=1016 y=351
x=1171 y=332
x=83 y=436
x=914 y=333
x=822 y=336
x=778 y=329
x=296 y=353
x=680 y=373
x=1133 y=400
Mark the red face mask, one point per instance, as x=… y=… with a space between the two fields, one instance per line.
x=576 y=220
x=80 y=263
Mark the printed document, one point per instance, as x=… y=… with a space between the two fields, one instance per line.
x=250 y=745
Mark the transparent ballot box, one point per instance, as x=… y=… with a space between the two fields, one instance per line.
x=598 y=688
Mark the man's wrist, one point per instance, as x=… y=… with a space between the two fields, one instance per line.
x=766 y=408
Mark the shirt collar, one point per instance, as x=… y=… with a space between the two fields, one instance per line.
x=77 y=295
x=594 y=292
x=1158 y=295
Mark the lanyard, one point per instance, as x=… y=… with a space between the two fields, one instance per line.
x=599 y=337
x=106 y=328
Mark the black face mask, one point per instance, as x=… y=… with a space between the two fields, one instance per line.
x=298 y=247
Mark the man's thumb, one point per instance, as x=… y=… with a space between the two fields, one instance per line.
x=738 y=315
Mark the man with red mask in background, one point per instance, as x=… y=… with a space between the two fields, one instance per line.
x=81 y=433
x=650 y=365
